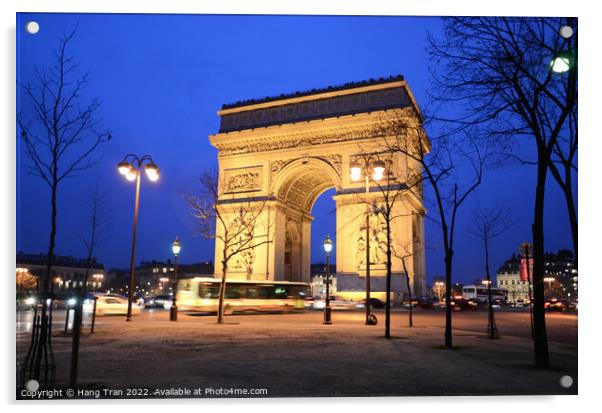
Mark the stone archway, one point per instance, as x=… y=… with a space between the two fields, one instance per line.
x=285 y=152
x=296 y=185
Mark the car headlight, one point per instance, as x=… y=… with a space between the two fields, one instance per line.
x=30 y=301
x=71 y=302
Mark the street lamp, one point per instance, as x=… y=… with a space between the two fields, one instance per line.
x=132 y=171
x=327 y=309
x=173 y=311
x=378 y=169
x=562 y=62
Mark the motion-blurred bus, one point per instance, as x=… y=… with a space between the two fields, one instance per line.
x=478 y=293
x=202 y=294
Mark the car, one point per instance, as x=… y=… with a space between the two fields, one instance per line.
x=555 y=304
x=374 y=303
x=109 y=304
x=157 y=301
x=336 y=303
x=458 y=304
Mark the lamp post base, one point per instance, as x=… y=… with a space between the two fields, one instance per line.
x=173 y=313
x=371 y=320
x=327 y=315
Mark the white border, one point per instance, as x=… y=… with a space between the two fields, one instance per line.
x=589 y=187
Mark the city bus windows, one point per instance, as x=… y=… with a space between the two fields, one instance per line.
x=252 y=293
x=267 y=291
x=232 y=291
x=207 y=291
x=280 y=292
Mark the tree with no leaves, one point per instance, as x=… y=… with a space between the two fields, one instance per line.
x=489 y=224
x=404 y=253
x=382 y=205
x=443 y=166
x=59 y=136
x=92 y=233
x=236 y=224
x=496 y=73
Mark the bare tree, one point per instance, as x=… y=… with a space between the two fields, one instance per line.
x=448 y=161
x=389 y=191
x=59 y=137
x=92 y=233
x=238 y=225
x=562 y=166
x=489 y=224
x=404 y=253
x=498 y=68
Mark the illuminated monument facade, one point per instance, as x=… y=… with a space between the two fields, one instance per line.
x=281 y=153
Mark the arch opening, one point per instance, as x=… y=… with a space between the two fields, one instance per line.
x=297 y=188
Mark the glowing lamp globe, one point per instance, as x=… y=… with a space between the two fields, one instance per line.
x=328 y=244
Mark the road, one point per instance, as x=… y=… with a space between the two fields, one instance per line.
x=561 y=327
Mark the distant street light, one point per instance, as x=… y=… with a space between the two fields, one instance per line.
x=549 y=280
x=98 y=280
x=378 y=169
x=173 y=311
x=440 y=285
x=133 y=172
x=327 y=309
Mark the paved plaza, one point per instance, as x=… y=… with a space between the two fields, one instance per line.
x=288 y=355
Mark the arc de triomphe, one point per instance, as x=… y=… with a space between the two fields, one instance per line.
x=282 y=153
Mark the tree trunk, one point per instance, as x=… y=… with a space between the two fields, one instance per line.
x=539 y=318
x=572 y=210
x=405 y=269
x=491 y=327
x=77 y=327
x=448 y=309
x=222 y=293
x=388 y=298
x=44 y=349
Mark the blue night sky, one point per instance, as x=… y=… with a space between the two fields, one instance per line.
x=161 y=80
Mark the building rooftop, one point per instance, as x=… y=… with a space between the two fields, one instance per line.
x=318 y=104
x=59 y=261
x=348 y=85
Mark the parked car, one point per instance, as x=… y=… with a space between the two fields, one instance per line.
x=109 y=304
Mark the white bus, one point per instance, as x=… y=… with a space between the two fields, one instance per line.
x=202 y=294
x=478 y=293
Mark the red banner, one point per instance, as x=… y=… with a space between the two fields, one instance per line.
x=524 y=275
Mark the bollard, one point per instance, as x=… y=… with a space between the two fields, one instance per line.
x=93 y=316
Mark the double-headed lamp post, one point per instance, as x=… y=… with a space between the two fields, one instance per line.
x=173 y=310
x=327 y=309
x=378 y=169
x=131 y=169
